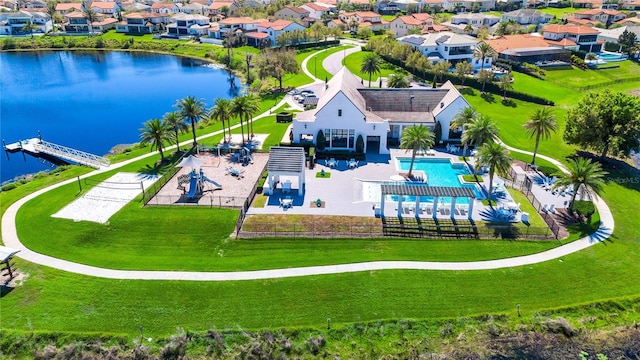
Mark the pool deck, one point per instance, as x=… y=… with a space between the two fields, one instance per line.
x=343 y=193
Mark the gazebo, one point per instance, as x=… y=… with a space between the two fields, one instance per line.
x=419 y=191
x=285 y=161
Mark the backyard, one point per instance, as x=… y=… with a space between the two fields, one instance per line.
x=197 y=239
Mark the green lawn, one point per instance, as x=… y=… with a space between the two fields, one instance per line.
x=534 y=218
x=315 y=63
x=353 y=62
x=560 y=12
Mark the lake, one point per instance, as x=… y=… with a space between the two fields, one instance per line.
x=92 y=101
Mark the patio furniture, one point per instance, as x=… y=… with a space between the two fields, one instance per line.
x=552 y=208
x=286 y=202
x=353 y=164
x=544 y=208
x=286 y=187
x=235 y=172
x=524 y=217
x=430 y=152
x=332 y=163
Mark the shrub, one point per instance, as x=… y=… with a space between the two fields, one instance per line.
x=437 y=132
x=585 y=208
x=359 y=144
x=320 y=140
x=559 y=326
x=9 y=186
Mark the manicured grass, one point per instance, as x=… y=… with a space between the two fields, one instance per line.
x=353 y=62
x=560 y=12
x=472 y=178
x=324 y=175
x=576 y=78
x=120 y=36
x=534 y=218
x=315 y=63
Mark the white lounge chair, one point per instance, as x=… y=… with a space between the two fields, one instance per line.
x=552 y=209
x=544 y=208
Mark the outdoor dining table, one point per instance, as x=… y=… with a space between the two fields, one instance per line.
x=511 y=206
x=332 y=163
x=287 y=202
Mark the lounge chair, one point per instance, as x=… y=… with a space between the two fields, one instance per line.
x=552 y=209
x=544 y=208
x=286 y=187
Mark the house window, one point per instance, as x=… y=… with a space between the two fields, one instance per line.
x=342 y=138
x=339 y=112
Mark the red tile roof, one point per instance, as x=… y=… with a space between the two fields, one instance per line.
x=297 y=10
x=409 y=20
x=238 y=21
x=257 y=35
x=163 y=5
x=563 y=42
x=519 y=41
x=276 y=25
x=103 y=4
x=570 y=29
x=68 y=6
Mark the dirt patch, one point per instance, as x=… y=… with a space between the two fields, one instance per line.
x=311 y=225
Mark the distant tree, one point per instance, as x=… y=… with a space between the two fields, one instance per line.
x=415 y=31
x=192 y=109
x=485 y=76
x=628 y=41
x=468 y=29
x=397 y=81
x=584 y=176
x=415 y=138
x=483 y=33
x=495 y=156
x=318 y=30
x=365 y=33
x=463 y=69
x=277 y=63
x=541 y=124
x=371 y=65
x=605 y=122
x=244 y=107
x=173 y=121
x=441 y=68
x=591 y=56
x=505 y=84
x=353 y=25
x=483 y=51
x=225 y=10
x=247 y=59
x=156 y=133
x=462 y=119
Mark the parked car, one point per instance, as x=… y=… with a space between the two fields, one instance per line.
x=294 y=92
x=306 y=92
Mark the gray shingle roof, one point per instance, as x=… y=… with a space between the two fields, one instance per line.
x=286 y=159
x=426 y=190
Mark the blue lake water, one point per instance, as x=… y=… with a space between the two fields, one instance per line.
x=92 y=101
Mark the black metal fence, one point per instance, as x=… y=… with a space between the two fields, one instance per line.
x=152 y=190
x=210 y=201
x=525 y=188
x=275 y=230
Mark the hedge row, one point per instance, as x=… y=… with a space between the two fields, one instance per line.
x=472 y=82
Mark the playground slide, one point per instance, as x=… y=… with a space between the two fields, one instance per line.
x=193 y=187
x=211 y=181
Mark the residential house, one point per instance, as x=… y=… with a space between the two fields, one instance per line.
x=612 y=35
x=403 y=25
x=105 y=7
x=76 y=22
x=572 y=37
x=527 y=17
x=293 y=13
x=135 y=7
x=434 y=5
x=65 y=8
x=529 y=48
x=215 y=8
x=346 y=111
x=363 y=19
x=33 y=4
x=104 y=25
x=143 y=23
x=460 y=23
x=632 y=21
x=12 y=23
x=469 y=5
x=446 y=46
x=606 y=17
x=587 y=4
x=276 y=28
x=631 y=5
x=361 y=5
x=187 y=24
x=231 y=25
x=318 y=10
x=165 y=8
x=194 y=8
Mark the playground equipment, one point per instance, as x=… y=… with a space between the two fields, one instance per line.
x=196 y=181
x=244 y=156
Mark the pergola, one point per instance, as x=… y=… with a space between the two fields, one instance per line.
x=285 y=161
x=419 y=191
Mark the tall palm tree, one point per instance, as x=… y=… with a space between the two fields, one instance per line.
x=480 y=131
x=222 y=111
x=371 y=65
x=244 y=107
x=584 y=175
x=29 y=27
x=485 y=76
x=483 y=51
x=156 y=132
x=255 y=107
x=505 y=84
x=415 y=138
x=91 y=17
x=175 y=122
x=496 y=157
x=463 y=119
x=541 y=124
x=192 y=109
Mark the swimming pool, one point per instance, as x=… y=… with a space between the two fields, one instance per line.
x=440 y=172
x=608 y=57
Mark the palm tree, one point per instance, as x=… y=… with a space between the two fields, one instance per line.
x=371 y=65
x=584 y=175
x=462 y=119
x=485 y=76
x=244 y=107
x=175 y=122
x=463 y=69
x=91 y=17
x=29 y=27
x=415 y=138
x=496 y=157
x=505 y=84
x=156 y=132
x=480 y=131
x=192 y=109
x=441 y=68
x=397 y=81
x=483 y=51
x=541 y=124
x=222 y=111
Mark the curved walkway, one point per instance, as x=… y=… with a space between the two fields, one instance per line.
x=10 y=238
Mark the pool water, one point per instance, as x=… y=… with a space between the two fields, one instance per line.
x=611 y=57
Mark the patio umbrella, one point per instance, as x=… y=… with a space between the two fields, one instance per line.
x=191 y=161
